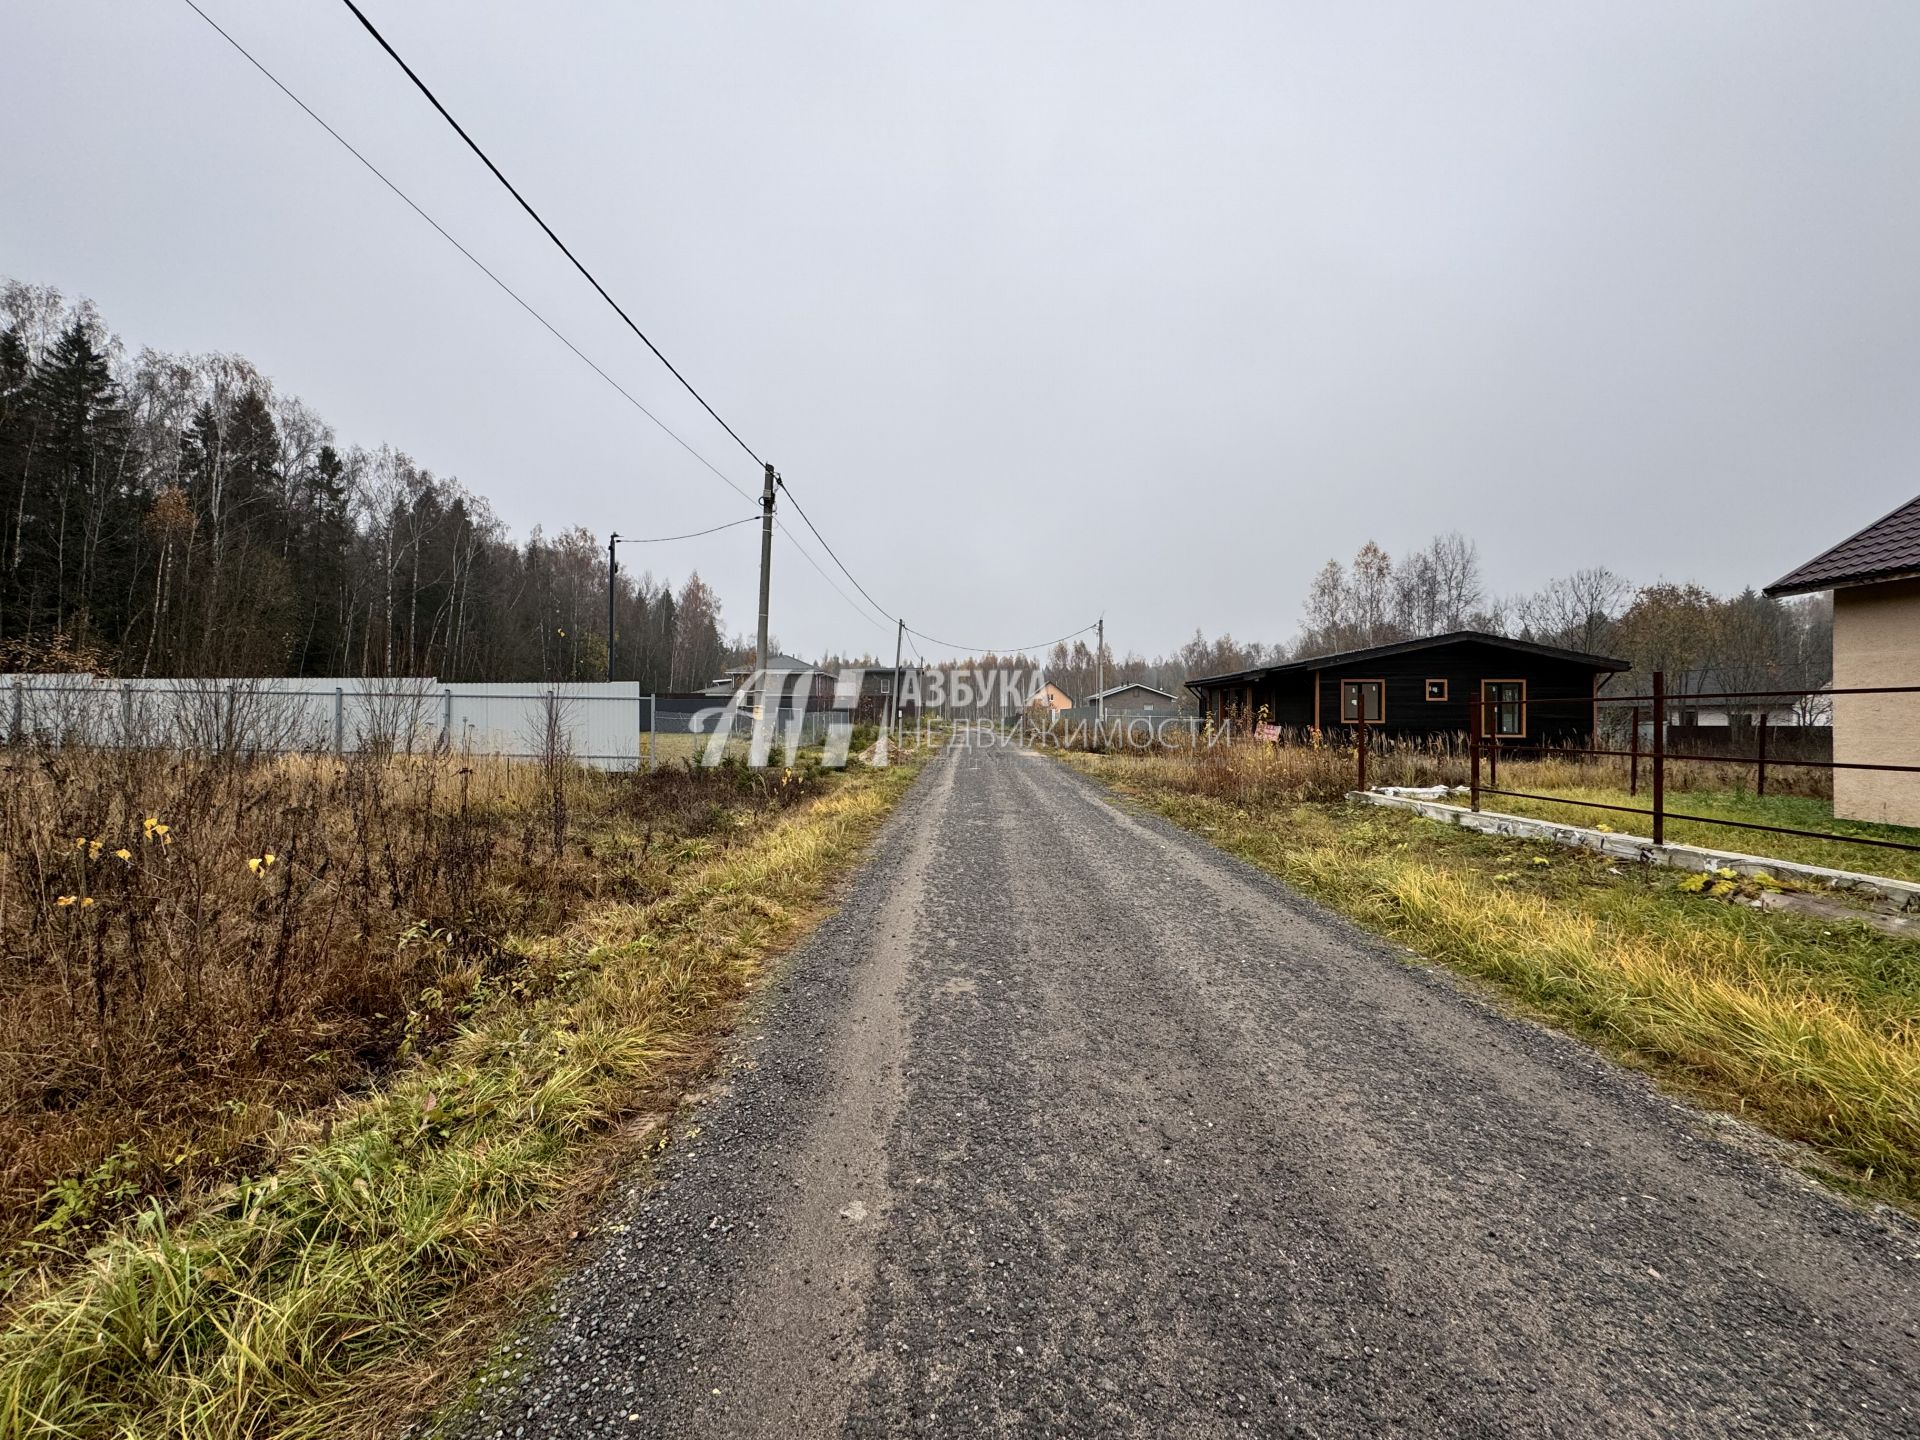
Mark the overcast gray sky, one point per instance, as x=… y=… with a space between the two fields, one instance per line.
x=1042 y=309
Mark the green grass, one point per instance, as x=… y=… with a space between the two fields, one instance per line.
x=1808 y=1026
x=324 y=1296
x=1792 y=811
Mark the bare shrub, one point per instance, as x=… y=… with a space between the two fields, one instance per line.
x=552 y=741
x=396 y=716
x=233 y=720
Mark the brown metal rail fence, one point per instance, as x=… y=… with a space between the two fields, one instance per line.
x=1482 y=748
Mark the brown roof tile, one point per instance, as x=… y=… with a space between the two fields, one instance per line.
x=1888 y=549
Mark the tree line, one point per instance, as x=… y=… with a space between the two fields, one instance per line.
x=166 y=514
x=1702 y=641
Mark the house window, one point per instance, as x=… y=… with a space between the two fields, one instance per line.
x=1504 y=707
x=1363 y=700
x=1436 y=689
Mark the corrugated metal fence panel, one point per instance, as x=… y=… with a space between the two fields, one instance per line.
x=598 y=724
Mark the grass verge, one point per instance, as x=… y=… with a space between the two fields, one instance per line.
x=293 y=1304
x=1810 y=1027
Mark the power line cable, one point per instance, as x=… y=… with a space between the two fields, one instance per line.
x=691 y=534
x=460 y=130
x=478 y=264
x=553 y=330
x=486 y=160
x=807 y=555
x=828 y=548
x=521 y=301
x=996 y=649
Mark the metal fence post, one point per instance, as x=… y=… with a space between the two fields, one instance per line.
x=1633 y=753
x=1659 y=757
x=446 y=720
x=1760 y=784
x=1473 y=753
x=1360 y=744
x=653 y=731
x=339 y=720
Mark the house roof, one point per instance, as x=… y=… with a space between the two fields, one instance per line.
x=1888 y=549
x=1130 y=685
x=775 y=662
x=1403 y=647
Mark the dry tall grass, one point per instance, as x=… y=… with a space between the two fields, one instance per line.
x=306 y=1302
x=193 y=947
x=1316 y=766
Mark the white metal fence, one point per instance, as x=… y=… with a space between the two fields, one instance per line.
x=615 y=726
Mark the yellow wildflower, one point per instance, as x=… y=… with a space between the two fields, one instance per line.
x=86 y=902
x=93 y=849
x=66 y=900
x=123 y=853
x=253 y=863
x=268 y=858
x=79 y=842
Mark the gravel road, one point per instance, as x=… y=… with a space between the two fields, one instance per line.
x=1067 y=1124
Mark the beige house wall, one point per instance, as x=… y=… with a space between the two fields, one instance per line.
x=1876 y=641
x=1053 y=697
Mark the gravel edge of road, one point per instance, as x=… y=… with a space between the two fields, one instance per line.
x=521 y=1341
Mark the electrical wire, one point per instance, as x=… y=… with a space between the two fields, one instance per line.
x=580 y=354
x=828 y=548
x=996 y=649
x=691 y=534
x=486 y=160
x=806 y=555
x=521 y=301
x=478 y=264
x=472 y=145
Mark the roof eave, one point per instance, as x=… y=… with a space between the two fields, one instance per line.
x=1786 y=585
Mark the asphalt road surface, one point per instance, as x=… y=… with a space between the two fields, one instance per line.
x=1067 y=1124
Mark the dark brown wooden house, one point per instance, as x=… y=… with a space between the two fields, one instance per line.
x=1532 y=694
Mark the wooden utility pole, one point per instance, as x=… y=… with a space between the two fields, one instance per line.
x=766 y=578
x=893 y=719
x=613 y=569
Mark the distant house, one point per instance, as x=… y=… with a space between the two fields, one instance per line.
x=1052 y=698
x=1874 y=575
x=1686 y=705
x=877 y=693
x=1531 y=693
x=788 y=677
x=1134 y=700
